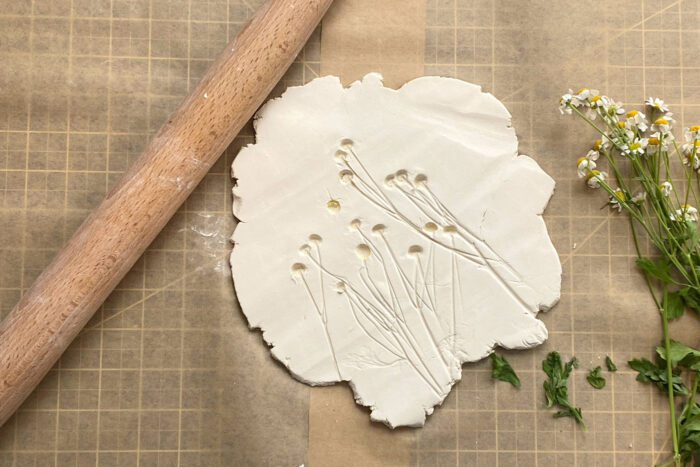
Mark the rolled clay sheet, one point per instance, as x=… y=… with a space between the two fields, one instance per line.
x=388 y=236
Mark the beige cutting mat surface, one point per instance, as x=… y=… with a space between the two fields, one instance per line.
x=167 y=373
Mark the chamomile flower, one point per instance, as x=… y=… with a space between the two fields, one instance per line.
x=636 y=120
x=663 y=125
x=666 y=188
x=653 y=142
x=594 y=178
x=691 y=151
x=619 y=141
x=639 y=198
x=598 y=101
x=567 y=99
x=614 y=108
x=692 y=133
x=605 y=144
x=656 y=104
x=586 y=163
x=689 y=148
x=685 y=213
x=616 y=200
x=636 y=148
x=585 y=94
x=691 y=158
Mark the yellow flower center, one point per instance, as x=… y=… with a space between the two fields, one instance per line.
x=654 y=141
x=694 y=128
x=580 y=159
x=592 y=174
x=661 y=121
x=430 y=227
x=634 y=146
x=620 y=194
x=620 y=124
x=582 y=90
x=596 y=144
x=632 y=113
x=686 y=206
x=595 y=98
x=333 y=206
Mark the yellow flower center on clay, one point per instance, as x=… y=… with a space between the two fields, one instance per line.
x=661 y=121
x=595 y=98
x=686 y=206
x=333 y=206
x=580 y=159
x=582 y=90
x=634 y=146
x=596 y=144
x=654 y=141
x=620 y=194
x=430 y=227
x=620 y=124
x=632 y=113
x=694 y=128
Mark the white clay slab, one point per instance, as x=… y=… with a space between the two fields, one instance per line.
x=388 y=236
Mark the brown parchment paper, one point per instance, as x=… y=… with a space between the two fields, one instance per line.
x=167 y=372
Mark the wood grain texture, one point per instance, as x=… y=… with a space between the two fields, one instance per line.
x=112 y=238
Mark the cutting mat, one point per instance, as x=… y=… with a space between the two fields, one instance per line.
x=167 y=373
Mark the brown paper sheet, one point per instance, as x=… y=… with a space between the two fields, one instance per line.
x=167 y=372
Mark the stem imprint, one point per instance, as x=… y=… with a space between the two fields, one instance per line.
x=395 y=309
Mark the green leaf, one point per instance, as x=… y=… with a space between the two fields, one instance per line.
x=573 y=363
x=595 y=379
x=562 y=414
x=692 y=234
x=609 y=363
x=555 y=387
x=681 y=354
x=673 y=304
x=658 y=270
x=550 y=363
x=501 y=369
x=651 y=373
x=691 y=298
x=689 y=432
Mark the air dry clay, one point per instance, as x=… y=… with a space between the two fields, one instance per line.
x=389 y=236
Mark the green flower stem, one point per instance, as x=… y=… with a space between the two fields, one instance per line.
x=639 y=255
x=590 y=122
x=667 y=163
x=691 y=398
x=689 y=173
x=674 y=237
x=618 y=176
x=658 y=243
x=669 y=375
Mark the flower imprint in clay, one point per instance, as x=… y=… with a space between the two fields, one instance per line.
x=389 y=236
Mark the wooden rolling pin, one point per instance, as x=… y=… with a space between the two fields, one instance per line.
x=113 y=237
